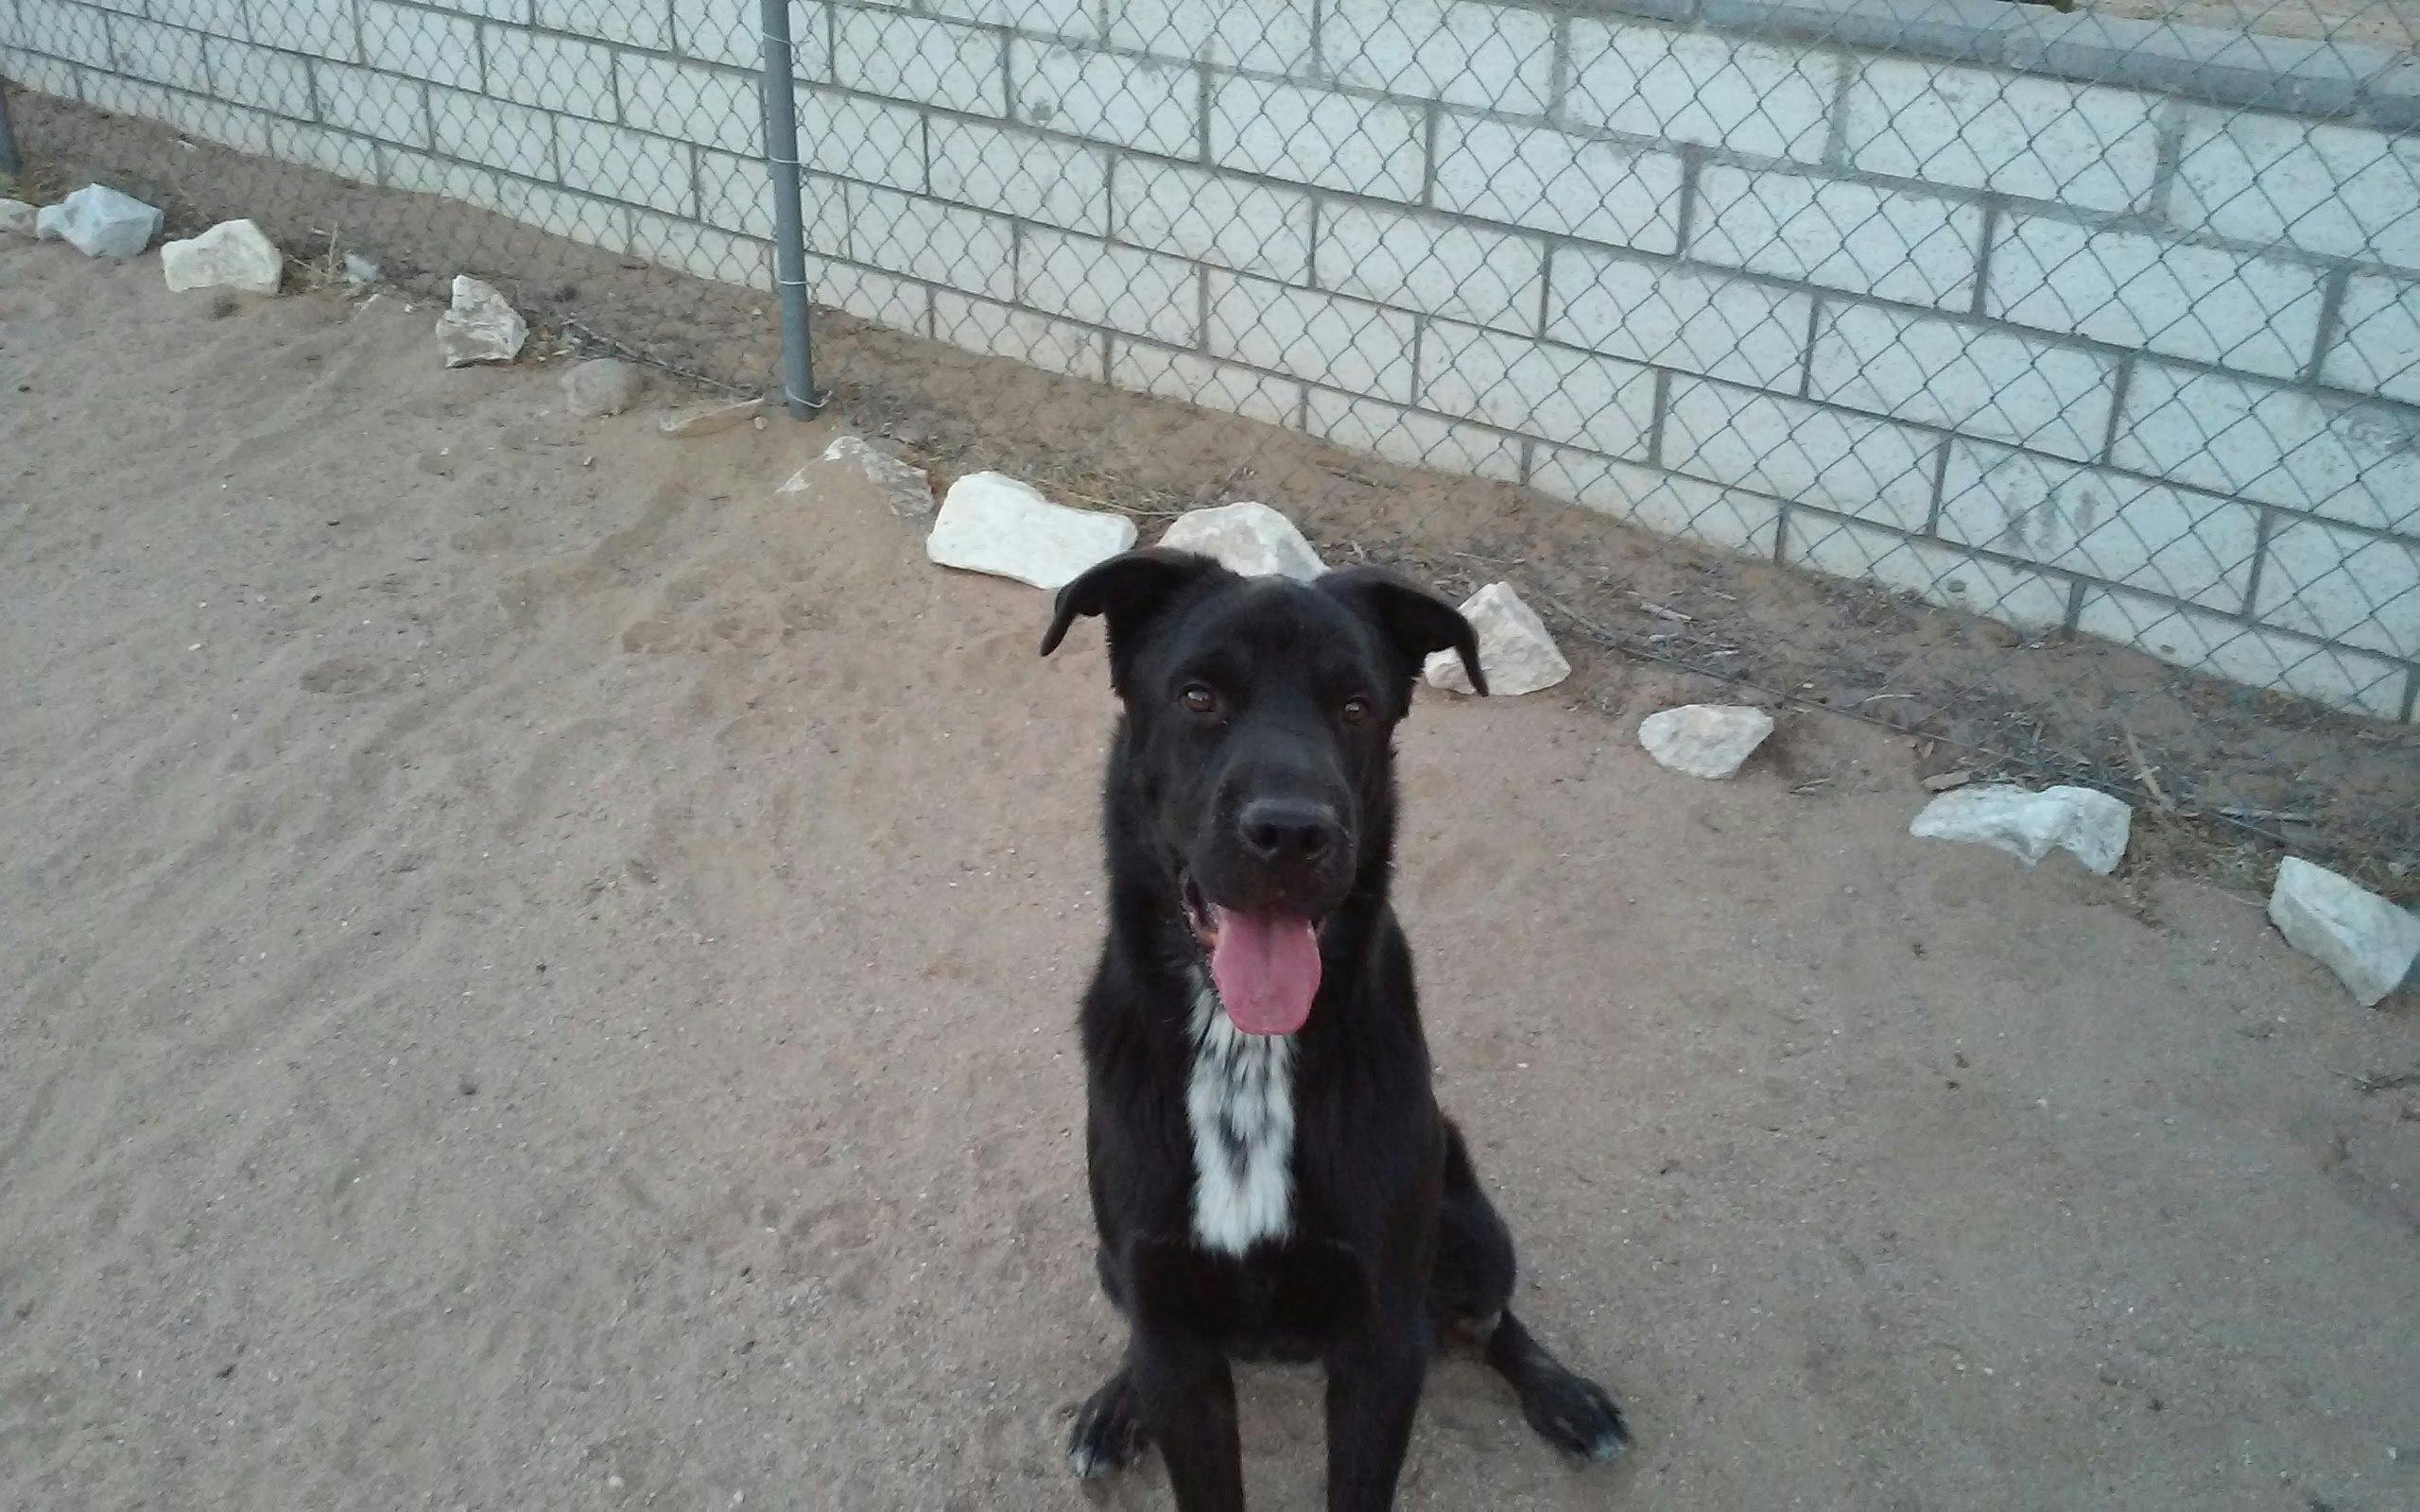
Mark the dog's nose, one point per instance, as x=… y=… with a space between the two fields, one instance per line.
x=1284 y=831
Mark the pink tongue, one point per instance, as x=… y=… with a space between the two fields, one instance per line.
x=1266 y=967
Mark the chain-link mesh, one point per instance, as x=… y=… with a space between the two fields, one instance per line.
x=2039 y=382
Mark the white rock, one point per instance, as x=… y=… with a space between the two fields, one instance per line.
x=2026 y=824
x=711 y=420
x=1705 y=739
x=16 y=217
x=233 y=254
x=603 y=385
x=1251 y=539
x=98 y=221
x=482 y=326
x=1515 y=649
x=990 y=523
x=2368 y=942
x=907 y=489
x=361 y=271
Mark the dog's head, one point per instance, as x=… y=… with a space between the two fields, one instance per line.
x=1257 y=749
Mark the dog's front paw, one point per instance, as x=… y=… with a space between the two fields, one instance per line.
x=1574 y=1414
x=1108 y=1434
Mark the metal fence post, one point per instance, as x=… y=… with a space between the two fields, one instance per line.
x=789 y=235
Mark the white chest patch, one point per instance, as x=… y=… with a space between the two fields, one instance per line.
x=1240 y=1104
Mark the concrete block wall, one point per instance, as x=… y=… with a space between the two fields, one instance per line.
x=2064 y=321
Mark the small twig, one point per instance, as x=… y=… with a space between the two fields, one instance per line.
x=2146 y=771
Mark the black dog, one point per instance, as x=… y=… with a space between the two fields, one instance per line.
x=1271 y=1174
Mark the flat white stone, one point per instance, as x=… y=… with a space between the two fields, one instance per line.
x=990 y=523
x=1515 y=649
x=1705 y=739
x=1251 y=539
x=2368 y=942
x=98 y=221
x=2027 y=824
x=233 y=254
x=909 y=490
x=711 y=420
x=16 y=217
x=481 y=325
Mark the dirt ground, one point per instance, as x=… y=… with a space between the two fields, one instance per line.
x=534 y=973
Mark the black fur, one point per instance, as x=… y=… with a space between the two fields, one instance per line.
x=1392 y=1239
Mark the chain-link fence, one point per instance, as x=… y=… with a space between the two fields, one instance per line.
x=2040 y=382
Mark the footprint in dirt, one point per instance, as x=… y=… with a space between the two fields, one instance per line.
x=344 y=677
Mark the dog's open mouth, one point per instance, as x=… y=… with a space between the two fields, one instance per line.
x=1265 y=962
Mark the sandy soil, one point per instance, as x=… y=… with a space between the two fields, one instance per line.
x=535 y=973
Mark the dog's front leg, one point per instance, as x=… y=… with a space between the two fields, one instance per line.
x=1373 y=1390
x=1187 y=1397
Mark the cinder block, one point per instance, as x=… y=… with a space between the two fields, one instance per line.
x=417 y=43
x=2098 y=523
x=1215 y=217
x=44 y=76
x=1134 y=102
x=553 y=72
x=1833 y=458
x=2341 y=585
x=2377 y=348
x=1204 y=382
x=349 y=157
x=1558 y=394
x=635 y=22
x=1714 y=90
x=514 y=10
x=1494 y=57
x=1004 y=330
x=1860 y=237
x=512 y=137
x=724 y=33
x=418 y=173
x=229 y=126
x=1433 y=263
x=2019 y=133
x=1072 y=19
x=692 y=102
x=1978 y=380
x=246 y=75
x=1549 y=180
x=574 y=217
x=1311 y=336
x=2341 y=191
x=2354 y=462
x=321 y=28
x=700 y=251
x=1410 y=438
x=869 y=294
x=1266 y=36
x=161 y=55
x=935 y=243
x=129 y=96
x=733 y=195
x=219 y=18
x=1314 y=136
x=823 y=207
x=1677 y=318
x=631 y=166
x=869 y=140
x=2204 y=643
x=1125 y=288
x=1020 y=173
x=1935 y=572
x=380 y=105
x=928 y=61
x=1652 y=499
x=77 y=33
x=2134 y=290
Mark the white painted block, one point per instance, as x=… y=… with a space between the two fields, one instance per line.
x=2134 y=290
x=1496 y=58
x=373 y=104
x=691 y=102
x=1677 y=318
x=2021 y=135
x=417 y=43
x=1937 y=573
x=1266 y=36
x=2377 y=348
x=1556 y=393
x=2344 y=586
x=700 y=251
x=721 y=33
x=553 y=72
x=733 y=195
x=1833 y=458
x=162 y=54
x=1005 y=331
x=2098 y=523
x=353 y=157
x=478 y=129
x=45 y=76
x=1125 y=288
x=1133 y=102
x=1317 y=337
x=1978 y=380
x=960 y=249
x=1769 y=101
x=631 y=166
x=242 y=74
x=2354 y=462
x=2342 y=191
x=1314 y=136
x=924 y=61
x=1215 y=217
x=636 y=22
x=576 y=218
x=1410 y=438
x=74 y=32
x=418 y=173
x=1020 y=173
x=824 y=205
x=1055 y=17
x=321 y=29
x=1430 y=263
x=1550 y=180
x=1654 y=500
x=231 y=126
x=1914 y=248
x=1204 y=382
x=2202 y=642
x=219 y=18
x=898 y=303
x=869 y=139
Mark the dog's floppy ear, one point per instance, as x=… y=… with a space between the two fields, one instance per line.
x=1418 y=622
x=1127 y=589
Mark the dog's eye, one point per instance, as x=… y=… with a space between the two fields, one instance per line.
x=1199 y=698
x=1358 y=709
